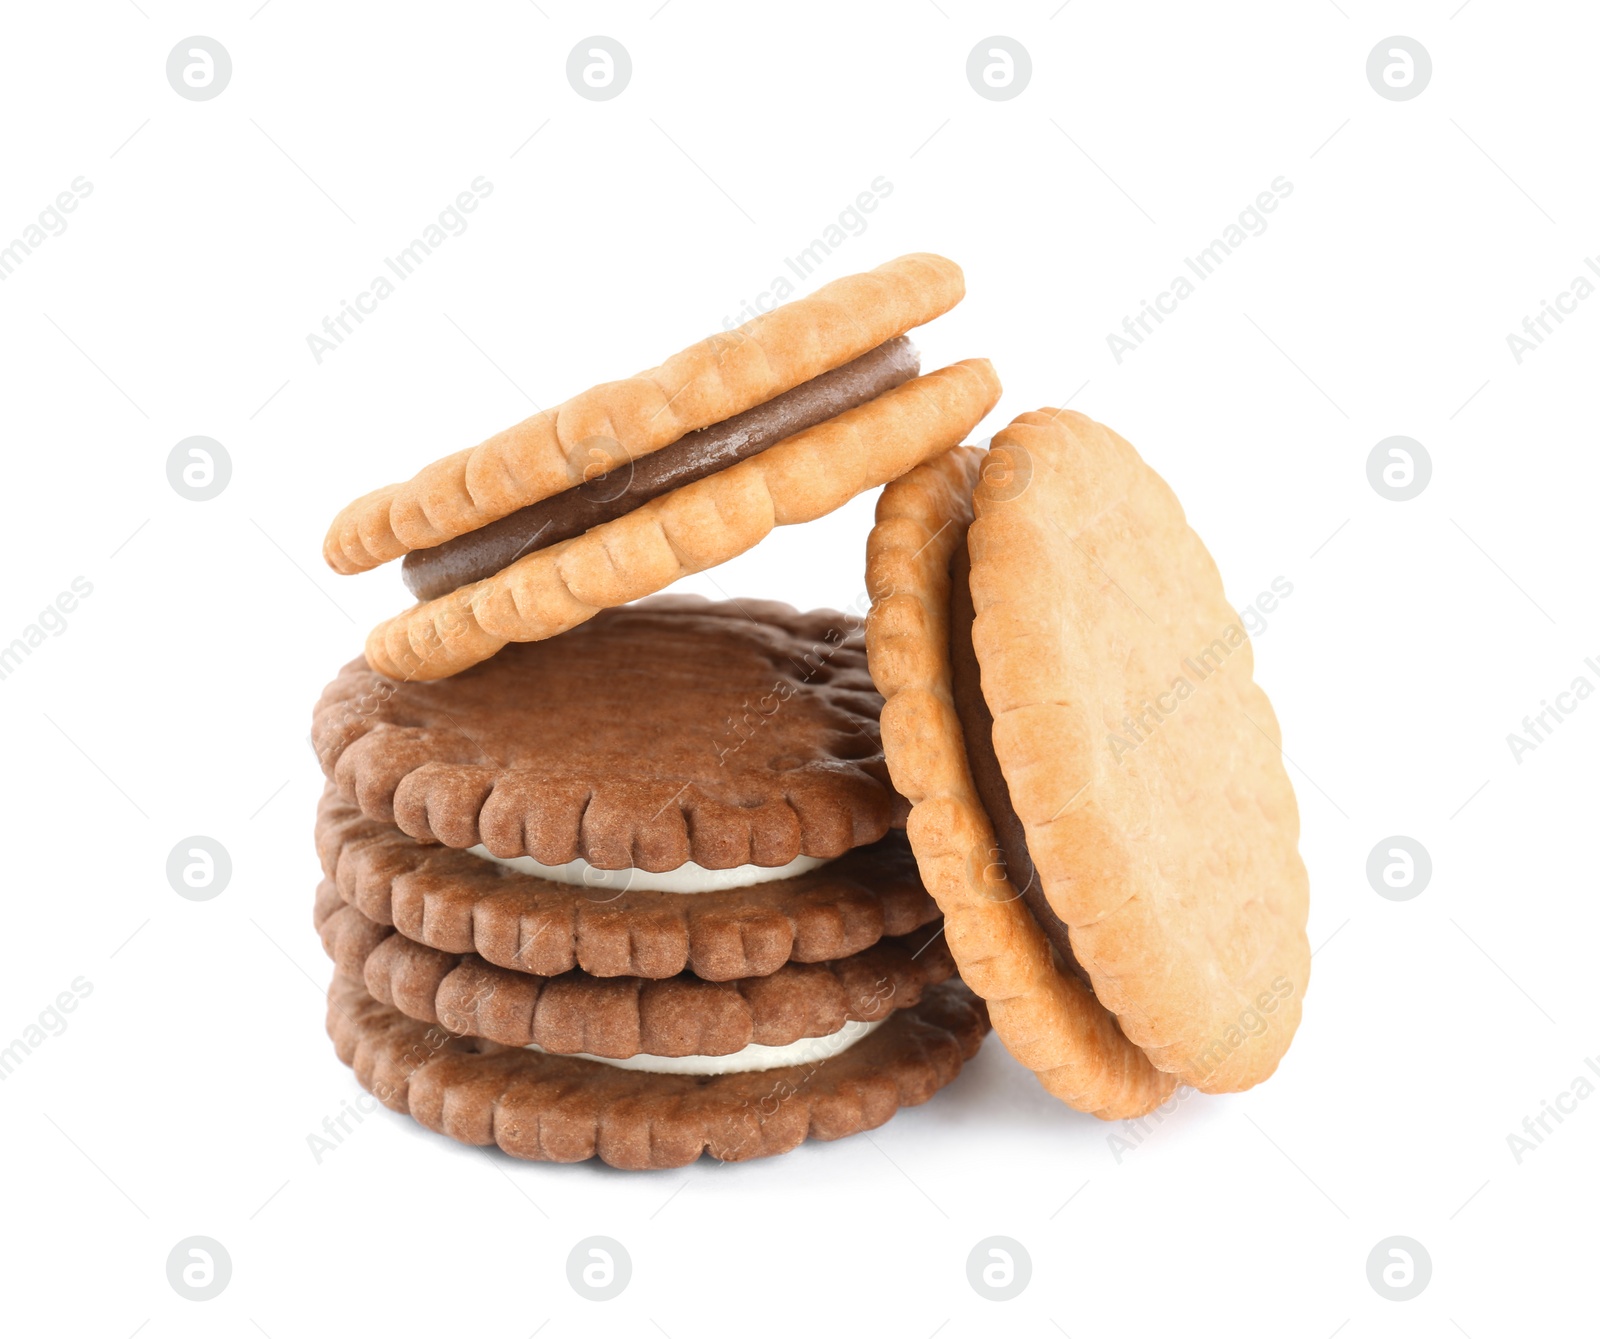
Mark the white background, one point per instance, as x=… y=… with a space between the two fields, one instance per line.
x=179 y=1098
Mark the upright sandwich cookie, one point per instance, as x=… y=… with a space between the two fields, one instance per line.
x=633 y=893
x=1099 y=804
x=624 y=489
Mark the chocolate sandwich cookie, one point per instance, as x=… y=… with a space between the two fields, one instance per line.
x=621 y=1017
x=1099 y=803
x=457 y=902
x=670 y=732
x=633 y=484
x=567 y=1108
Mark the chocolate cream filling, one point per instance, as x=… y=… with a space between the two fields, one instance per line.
x=977 y=725
x=627 y=484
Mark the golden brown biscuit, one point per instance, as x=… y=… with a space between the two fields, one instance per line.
x=689 y=529
x=1048 y=1018
x=1138 y=762
x=712 y=380
x=1143 y=760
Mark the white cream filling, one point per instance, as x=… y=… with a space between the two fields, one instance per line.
x=687 y=878
x=753 y=1058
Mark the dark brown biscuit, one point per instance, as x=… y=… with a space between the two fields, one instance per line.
x=460 y=903
x=654 y=734
x=625 y=1016
x=553 y=1108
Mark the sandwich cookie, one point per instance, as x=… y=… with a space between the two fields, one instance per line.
x=459 y=902
x=559 y=1108
x=629 y=486
x=670 y=732
x=1099 y=803
x=618 y=1018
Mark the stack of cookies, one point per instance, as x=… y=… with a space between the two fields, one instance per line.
x=633 y=893
x=629 y=882
x=620 y=875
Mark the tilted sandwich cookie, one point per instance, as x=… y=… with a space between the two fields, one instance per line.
x=1099 y=803
x=629 y=486
x=635 y=892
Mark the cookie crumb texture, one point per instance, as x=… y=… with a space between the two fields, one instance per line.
x=552 y=1108
x=672 y=730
